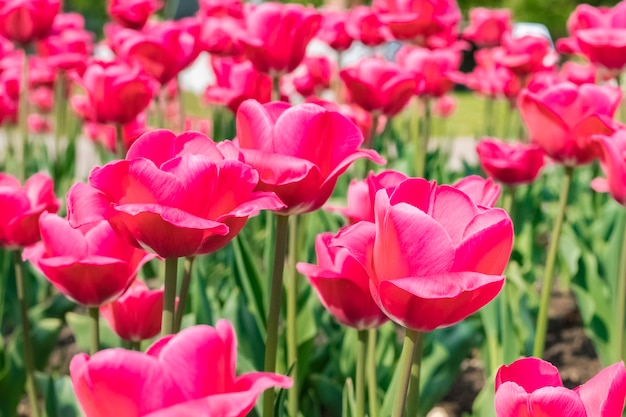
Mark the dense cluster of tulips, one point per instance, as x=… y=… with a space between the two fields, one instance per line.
x=396 y=251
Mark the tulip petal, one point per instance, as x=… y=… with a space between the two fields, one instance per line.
x=85 y=204
x=454 y=211
x=529 y=373
x=425 y=303
x=603 y=395
x=60 y=238
x=512 y=401
x=255 y=124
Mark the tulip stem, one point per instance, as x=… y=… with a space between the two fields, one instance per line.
x=414 y=387
x=292 y=314
x=169 y=296
x=60 y=110
x=273 y=316
x=360 y=373
x=23 y=119
x=508 y=198
x=421 y=145
x=489 y=116
x=546 y=288
x=94 y=325
x=184 y=292
x=29 y=359
x=412 y=338
x=621 y=297
x=372 y=380
x=370 y=141
x=120 y=152
x=275 y=86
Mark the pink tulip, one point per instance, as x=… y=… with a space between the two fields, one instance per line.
x=299 y=151
x=163 y=50
x=136 y=315
x=364 y=25
x=527 y=55
x=562 y=118
x=115 y=93
x=532 y=387
x=132 y=14
x=67 y=50
x=510 y=163
x=21 y=208
x=342 y=284
x=236 y=82
x=278 y=34
x=38 y=124
x=90 y=265
x=26 y=21
x=333 y=30
x=315 y=76
x=379 y=86
x=189 y=373
x=176 y=196
x=437 y=257
x=483 y=192
x=106 y=135
x=612 y=153
x=445 y=106
x=487 y=26
x=221 y=8
x=604 y=47
x=67 y=21
x=361 y=195
x=431 y=66
x=421 y=21
x=578 y=73
x=220 y=36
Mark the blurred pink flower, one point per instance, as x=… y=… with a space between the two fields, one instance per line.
x=487 y=26
x=510 y=163
x=132 y=14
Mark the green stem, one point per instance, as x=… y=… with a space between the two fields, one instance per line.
x=120 y=150
x=360 y=373
x=184 y=292
x=169 y=296
x=23 y=119
x=405 y=365
x=292 y=313
x=370 y=142
x=546 y=289
x=621 y=297
x=181 y=106
x=275 y=86
x=29 y=358
x=136 y=345
x=372 y=380
x=489 y=116
x=421 y=147
x=60 y=108
x=508 y=198
x=273 y=315
x=94 y=327
x=414 y=387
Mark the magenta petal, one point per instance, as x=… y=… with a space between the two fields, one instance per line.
x=416 y=192
x=156 y=145
x=425 y=303
x=454 y=210
x=512 y=401
x=201 y=359
x=603 y=395
x=60 y=238
x=529 y=373
x=121 y=383
x=255 y=124
x=85 y=204
x=408 y=242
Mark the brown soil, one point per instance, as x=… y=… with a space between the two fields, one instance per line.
x=567 y=347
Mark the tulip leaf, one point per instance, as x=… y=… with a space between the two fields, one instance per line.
x=60 y=400
x=12 y=380
x=80 y=326
x=249 y=279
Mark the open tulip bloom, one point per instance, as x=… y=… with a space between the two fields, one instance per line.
x=188 y=374
x=532 y=387
x=176 y=196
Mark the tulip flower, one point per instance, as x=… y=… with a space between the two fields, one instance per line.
x=585 y=16
x=379 y=86
x=67 y=50
x=278 y=34
x=190 y=373
x=424 y=22
x=483 y=192
x=106 y=135
x=315 y=76
x=176 y=196
x=236 y=82
x=527 y=55
x=342 y=284
x=578 y=73
x=532 y=387
x=431 y=269
x=136 y=315
x=299 y=151
x=333 y=31
x=361 y=194
x=26 y=21
x=220 y=36
x=445 y=106
x=487 y=26
x=67 y=21
x=364 y=25
x=510 y=163
x=162 y=50
x=562 y=118
x=612 y=151
x=115 y=93
x=21 y=208
x=221 y=8
x=132 y=14
x=431 y=66
x=90 y=265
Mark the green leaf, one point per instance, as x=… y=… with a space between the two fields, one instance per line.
x=60 y=400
